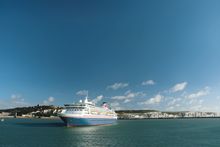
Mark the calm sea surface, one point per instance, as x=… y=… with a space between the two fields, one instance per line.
x=126 y=133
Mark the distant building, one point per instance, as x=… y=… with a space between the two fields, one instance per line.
x=4 y=114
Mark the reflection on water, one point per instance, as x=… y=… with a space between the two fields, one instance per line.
x=86 y=129
x=87 y=136
x=83 y=130
x=31 y=124
x=73 y=136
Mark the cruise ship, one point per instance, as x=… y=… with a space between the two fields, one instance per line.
x=85 y=113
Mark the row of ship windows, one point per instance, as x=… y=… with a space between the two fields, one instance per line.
x=75 y=109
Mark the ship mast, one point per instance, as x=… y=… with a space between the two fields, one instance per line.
x=86 y=99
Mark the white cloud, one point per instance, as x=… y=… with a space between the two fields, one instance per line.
x=218 y=97
x=117 y=86
x=3 y=104
x=128 y=95
x=177 y=105
x=179 y=87
x=196 y=107
x=120 y=97
x=154 y=100
x=97 y=99
x=201 y=101
x=170 y=108
x=149 y=82
x=198 y=94
x=173 y=101
x=127 y=100
x=209 y=108
x=15 y=96
x=115 y=105
x=49 y=100
x=195 y=104
x=82 y=92
x=16 y=100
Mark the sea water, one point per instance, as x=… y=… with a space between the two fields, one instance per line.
x=126 y=133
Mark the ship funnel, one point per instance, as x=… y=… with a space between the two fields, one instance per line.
x=105 y=105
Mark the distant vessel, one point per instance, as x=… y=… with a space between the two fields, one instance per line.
x=85 y=113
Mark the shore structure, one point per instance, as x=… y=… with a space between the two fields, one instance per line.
x=85 y=113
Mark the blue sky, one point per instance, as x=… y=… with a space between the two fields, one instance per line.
x=133 y=54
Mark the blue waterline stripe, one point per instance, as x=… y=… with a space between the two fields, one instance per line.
x=86 y=121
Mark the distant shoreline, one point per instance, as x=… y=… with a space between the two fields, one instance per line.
x=51 y=112
x=170 y=118
x=20 y=117
x=57 y=118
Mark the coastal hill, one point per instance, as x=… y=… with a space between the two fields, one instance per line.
x=32 y=111
x=52 y=111
x=154 y=114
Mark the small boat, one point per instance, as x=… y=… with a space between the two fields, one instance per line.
x=2 y=119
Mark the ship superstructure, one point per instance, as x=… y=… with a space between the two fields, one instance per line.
x=86 y=113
